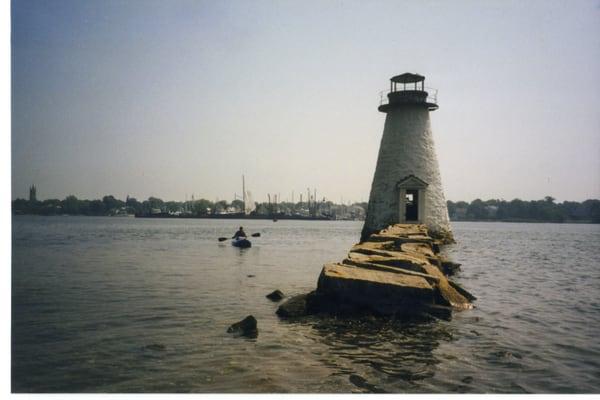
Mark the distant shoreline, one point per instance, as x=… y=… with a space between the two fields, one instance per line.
x=238 y=216
x=299 y=218
x=527 y=221
x=217 y=216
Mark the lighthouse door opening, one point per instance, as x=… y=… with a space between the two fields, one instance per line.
x=412 y=205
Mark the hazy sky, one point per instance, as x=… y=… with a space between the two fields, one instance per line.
x=174 y=98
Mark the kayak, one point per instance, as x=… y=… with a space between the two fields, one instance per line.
x=241 y=242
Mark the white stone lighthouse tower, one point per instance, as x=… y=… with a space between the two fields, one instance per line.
x=407 y=187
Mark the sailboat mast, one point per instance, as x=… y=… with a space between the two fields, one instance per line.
x=244 y=193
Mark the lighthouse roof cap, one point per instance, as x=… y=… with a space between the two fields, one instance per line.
x=407 y=77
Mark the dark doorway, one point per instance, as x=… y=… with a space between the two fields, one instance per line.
x=412 y=205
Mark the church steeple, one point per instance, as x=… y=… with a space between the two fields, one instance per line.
x=32 y=194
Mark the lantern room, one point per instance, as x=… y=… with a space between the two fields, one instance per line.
x=408 y=89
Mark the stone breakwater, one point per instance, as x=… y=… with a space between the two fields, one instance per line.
x=397 y=271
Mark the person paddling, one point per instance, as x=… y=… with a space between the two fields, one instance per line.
x=240 y=234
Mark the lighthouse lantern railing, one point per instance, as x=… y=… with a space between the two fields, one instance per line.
x=432 y=94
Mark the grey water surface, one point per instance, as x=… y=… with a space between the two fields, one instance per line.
x=143 y=305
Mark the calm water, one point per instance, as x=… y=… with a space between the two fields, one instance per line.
x=137 y=305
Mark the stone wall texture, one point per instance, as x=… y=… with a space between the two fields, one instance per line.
x=406 y=148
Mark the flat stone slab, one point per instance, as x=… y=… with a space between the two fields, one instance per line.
x=347 y=272
x=373 y=264
x=405 y=229
x=375 y=245
x=421 y=248
x=413 y=258
x=380 y=291
x=405 y=262
x=381 y=237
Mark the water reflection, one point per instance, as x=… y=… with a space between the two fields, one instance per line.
x=377 y=354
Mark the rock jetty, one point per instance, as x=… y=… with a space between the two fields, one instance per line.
x=397 y=271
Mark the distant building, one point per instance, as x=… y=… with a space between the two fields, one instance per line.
x=32 y=194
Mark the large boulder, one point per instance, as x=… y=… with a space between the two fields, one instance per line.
x=306 y=304
x=275 y=295
x=294 y=307
x=246 y=327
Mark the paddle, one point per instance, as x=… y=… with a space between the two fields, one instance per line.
x=222 y=239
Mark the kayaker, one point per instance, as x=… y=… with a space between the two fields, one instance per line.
x=240 y=234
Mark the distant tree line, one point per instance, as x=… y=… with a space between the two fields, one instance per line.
x=546 y=210
x=110 y=206
x=71 y=205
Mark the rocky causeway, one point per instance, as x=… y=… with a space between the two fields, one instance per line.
x=397 y=272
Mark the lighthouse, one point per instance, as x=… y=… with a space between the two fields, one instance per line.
x=407 y=187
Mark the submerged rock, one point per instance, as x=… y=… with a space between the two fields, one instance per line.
x=449 y=268
x=313 y=303
x=155 y=347
x=295 y=307
x=362 y=383
x=436 y=311
x=275 y=295
x=246 y=327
